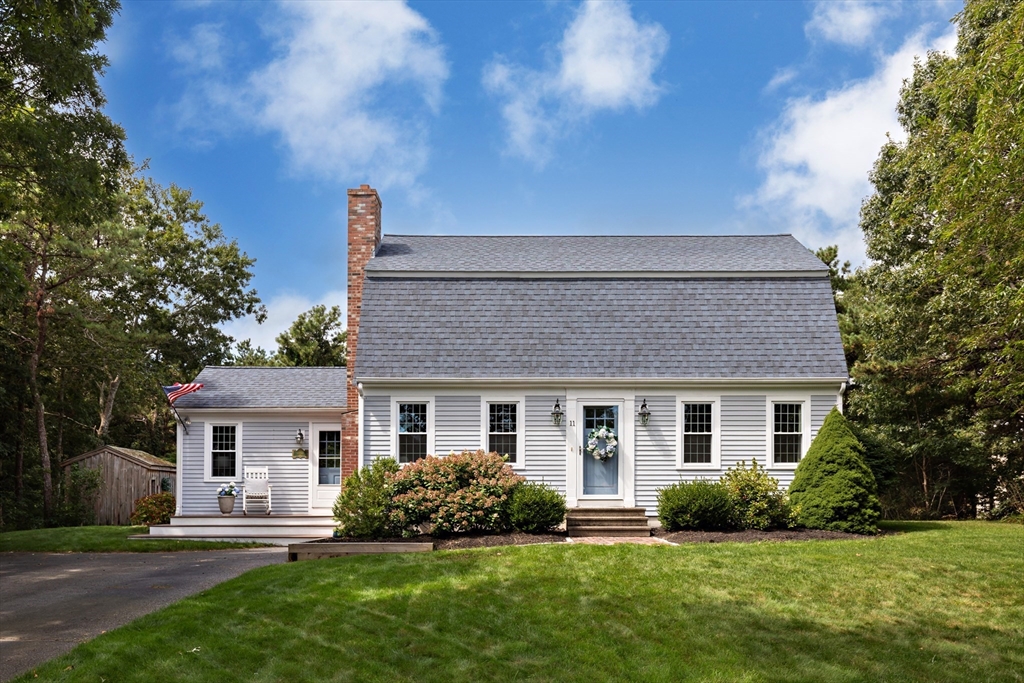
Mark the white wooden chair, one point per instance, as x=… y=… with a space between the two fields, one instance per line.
x=256 y=487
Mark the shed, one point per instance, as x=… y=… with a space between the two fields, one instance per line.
x=126 y=475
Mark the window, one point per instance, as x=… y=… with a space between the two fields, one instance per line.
x=222 y=451
x=788 y=432
x=412 y=432
x=696 y=433
x=329 y=457
x=502 y=429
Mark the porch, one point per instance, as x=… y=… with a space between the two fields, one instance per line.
x=275 y=529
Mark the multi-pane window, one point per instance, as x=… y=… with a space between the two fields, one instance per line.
x=502 y=430
x=329 y=457
x=696 y=433
x=788 y=432
x=223 y=451
x=412 y=432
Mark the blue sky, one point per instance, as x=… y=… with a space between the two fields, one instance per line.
x=511 y=118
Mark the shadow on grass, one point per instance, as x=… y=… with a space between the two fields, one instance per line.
x=910 y=526
x=569 y=614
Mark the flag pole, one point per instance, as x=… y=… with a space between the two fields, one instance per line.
x=173 y=409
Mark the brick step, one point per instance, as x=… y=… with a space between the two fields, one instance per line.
x=593 y=512
x=612 y=520
x=614 y=530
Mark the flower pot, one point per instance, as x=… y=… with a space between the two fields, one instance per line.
x=227 y=504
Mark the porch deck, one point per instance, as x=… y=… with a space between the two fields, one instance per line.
x=275 y=529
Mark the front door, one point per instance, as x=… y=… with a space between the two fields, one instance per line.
x=326 y=462
x=600 y=462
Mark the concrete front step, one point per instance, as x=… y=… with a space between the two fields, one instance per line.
x=632 y=531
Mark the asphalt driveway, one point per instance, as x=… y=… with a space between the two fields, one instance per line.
x=51 y=602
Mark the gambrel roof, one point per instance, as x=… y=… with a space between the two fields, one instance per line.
x=659 y=307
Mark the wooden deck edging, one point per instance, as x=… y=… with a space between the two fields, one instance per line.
x=319 y=551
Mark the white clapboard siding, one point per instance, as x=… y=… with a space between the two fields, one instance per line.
x=457 y=425
x=198 y=497
x=270 y=444
x=820 y=408
x=654 y=453
x=744 y=430
x=376 y=428
x=545 y=443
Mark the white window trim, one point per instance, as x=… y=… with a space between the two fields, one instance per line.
x=394 y=424
x=520 y=401
x=716 y=433
x=805 y=427
x=208 y=450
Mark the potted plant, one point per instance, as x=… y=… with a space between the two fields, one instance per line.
x=226 y=497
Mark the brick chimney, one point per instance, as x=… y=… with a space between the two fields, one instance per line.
x=363 y=239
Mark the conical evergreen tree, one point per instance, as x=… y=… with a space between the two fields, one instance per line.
x=833 y=487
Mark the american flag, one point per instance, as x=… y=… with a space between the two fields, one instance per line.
x=177 y=390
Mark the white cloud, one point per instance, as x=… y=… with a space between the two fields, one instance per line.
x=349 y=91
x=818 y=154
x=781 y=78
x=282 y=311
x=202 y=50
x=606 y=61
x=848 y=22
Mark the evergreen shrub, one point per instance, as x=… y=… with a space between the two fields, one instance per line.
x=460 y=493
x=757 y=501
x=833 y=487
x=153 y=509
x=701 y=505
x=536 y=508
x=363 y=508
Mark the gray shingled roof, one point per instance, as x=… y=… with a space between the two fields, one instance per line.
x=617 y=328
x=586 y=254
x=258 y=387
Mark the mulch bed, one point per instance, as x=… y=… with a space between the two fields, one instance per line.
x=459 y=542
x=754 y=536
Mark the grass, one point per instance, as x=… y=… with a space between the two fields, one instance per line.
x=101 y=539
x=942 y=601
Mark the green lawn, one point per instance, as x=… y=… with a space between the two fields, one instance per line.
x=939 y=602
x=100 y=539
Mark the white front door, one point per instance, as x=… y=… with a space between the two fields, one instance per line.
x=325 y=461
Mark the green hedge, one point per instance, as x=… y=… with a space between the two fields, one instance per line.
x=703 y=505
x=363 y=509
x=536 y=508
x=833 y=487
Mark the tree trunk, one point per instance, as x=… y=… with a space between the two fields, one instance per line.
x=19 y=463
x=107 y=395
x=33 y=373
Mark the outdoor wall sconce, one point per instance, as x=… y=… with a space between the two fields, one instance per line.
x=644 y=414
x=299 y=438
x=557 y=414
x=188 y=420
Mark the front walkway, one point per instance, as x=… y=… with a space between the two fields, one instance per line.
x=49 y=603
x=612 y=540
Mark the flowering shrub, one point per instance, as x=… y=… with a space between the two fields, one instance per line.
x=228 y=489
x=757 y=501
x=154 y=509
x=470 y=491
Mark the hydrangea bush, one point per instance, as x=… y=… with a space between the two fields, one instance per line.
x=460 y=493
x=154 y=509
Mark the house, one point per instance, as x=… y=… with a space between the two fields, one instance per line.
x=698 y=352
x=126 y=475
